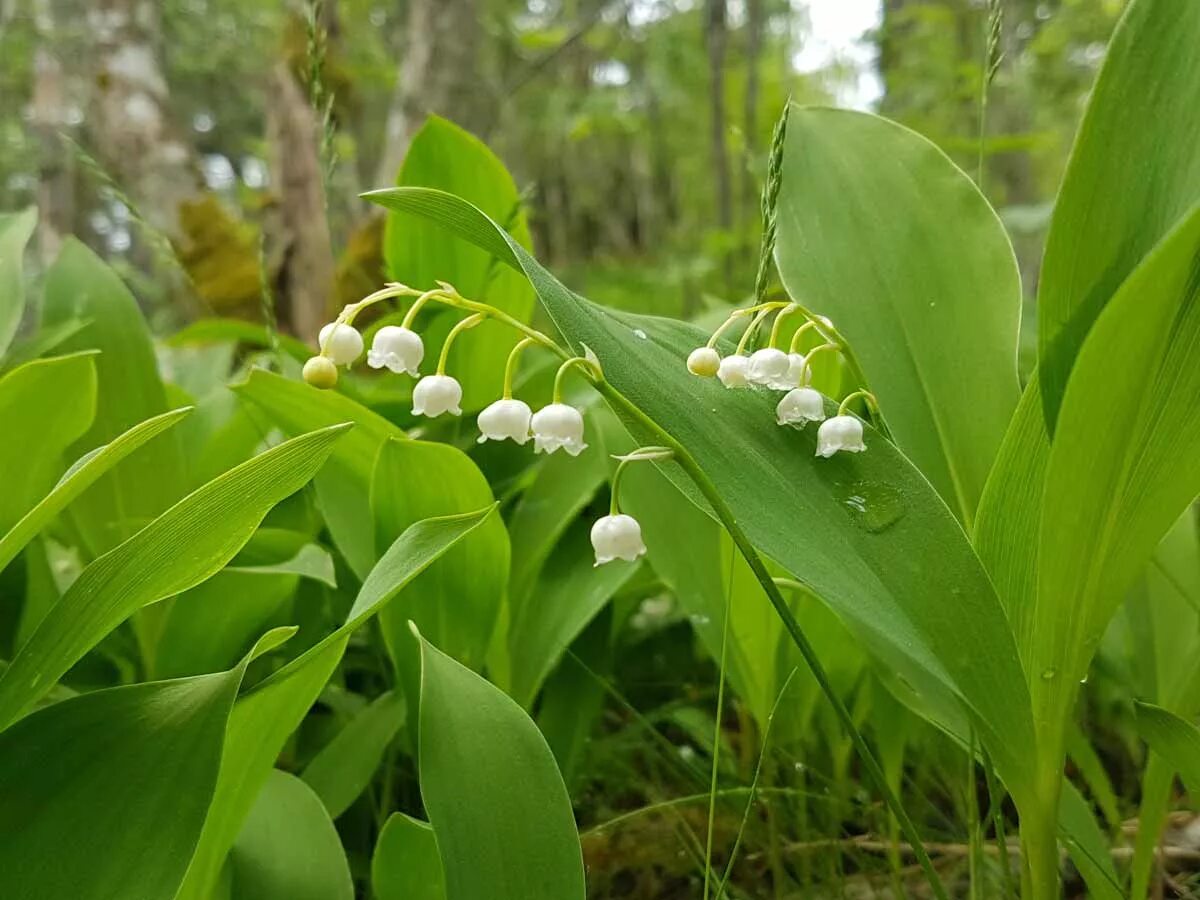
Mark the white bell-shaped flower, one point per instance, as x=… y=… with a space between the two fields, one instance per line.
x=767 y=365
x=840 y=433
x=617 y=537
x=397 y=348
x=341 y=343
x=734 y=371
x=800 y=406
x=798 y=375
x=704 y=361
x=505 y=420
x=558 y=425
x=437 y=394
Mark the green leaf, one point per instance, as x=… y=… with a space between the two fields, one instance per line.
x=931 y=310
x=80 y=286
x=343 y=486
x=561 y=488
x=266 y=715
x=343 y=768
x=866 y=533
x=15 y=231
x=1125 y=462
x=72 y=823
x=1088 y=846
x=288 y=849
x=406 y=865
x=1133 y=175
x=82 y=473
x=444 y=156
x=207 y=331
x=457 y=599
x=51 y=401
x=185 y=545
x=1172 y=737
x=570 y=592
x=496 y=801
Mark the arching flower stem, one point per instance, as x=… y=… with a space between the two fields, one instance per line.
x=593 y=373
x=808 y=326
x=850 y=398
x=642 y=454
x=752 y=327
x=741 y=314
x=459 y=327
x=782 y=314
x=806 y=372
x=510 y=366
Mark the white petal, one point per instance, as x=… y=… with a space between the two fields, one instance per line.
x=343 y=344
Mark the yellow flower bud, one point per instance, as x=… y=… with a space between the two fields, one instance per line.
x=320 y=372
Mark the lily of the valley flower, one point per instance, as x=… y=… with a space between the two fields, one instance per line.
x=704 y=361
x=768 y=366
x=798 y=374
x=320 y=372
x=437 y=394
x=506 y=419
x=558 y=425
x=617 y=537
x=734 y=371
x=341 y=343
x=399 y=349
x=800 y=406
x=843 y=433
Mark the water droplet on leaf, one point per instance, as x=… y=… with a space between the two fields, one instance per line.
x=872 y=505
x=1049 y=674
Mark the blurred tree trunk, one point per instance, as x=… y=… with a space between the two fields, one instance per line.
x=754 y=37
x=49 y=114
x=439 y=73
x=715 y=37
x=128 y=123
x=300 y=254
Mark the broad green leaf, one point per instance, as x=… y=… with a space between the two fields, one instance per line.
x=1010 y=512
x=50 y=402
x=205 y=331
x=42 y=342
x=866 y=533
x=879 y=230
x=1133 y=175
x=1174 y=738
x=406 y=865
x=343 y=486
x=503 y=819
x=105 y=794
x=181 y=548
x=15 y=231
x=562 y=487
x=446 y=157
x=78 y=477
x=569 y=593
x=457 y=599
x=1088 y=846
x=267 y=714
x=80 y=286
x=212 y=622
x=344 y=767
x=288 y=848
x=1125 y=462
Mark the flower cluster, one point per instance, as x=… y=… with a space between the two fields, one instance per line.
x=556 y=426
x=789 y=371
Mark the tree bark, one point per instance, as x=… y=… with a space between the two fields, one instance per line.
x=439 y=73
x=300 y=255
x=49 y=114
x=128 y=122
x=715 y=36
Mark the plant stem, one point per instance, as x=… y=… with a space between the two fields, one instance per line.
x=689 y=465
x=716 y=754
